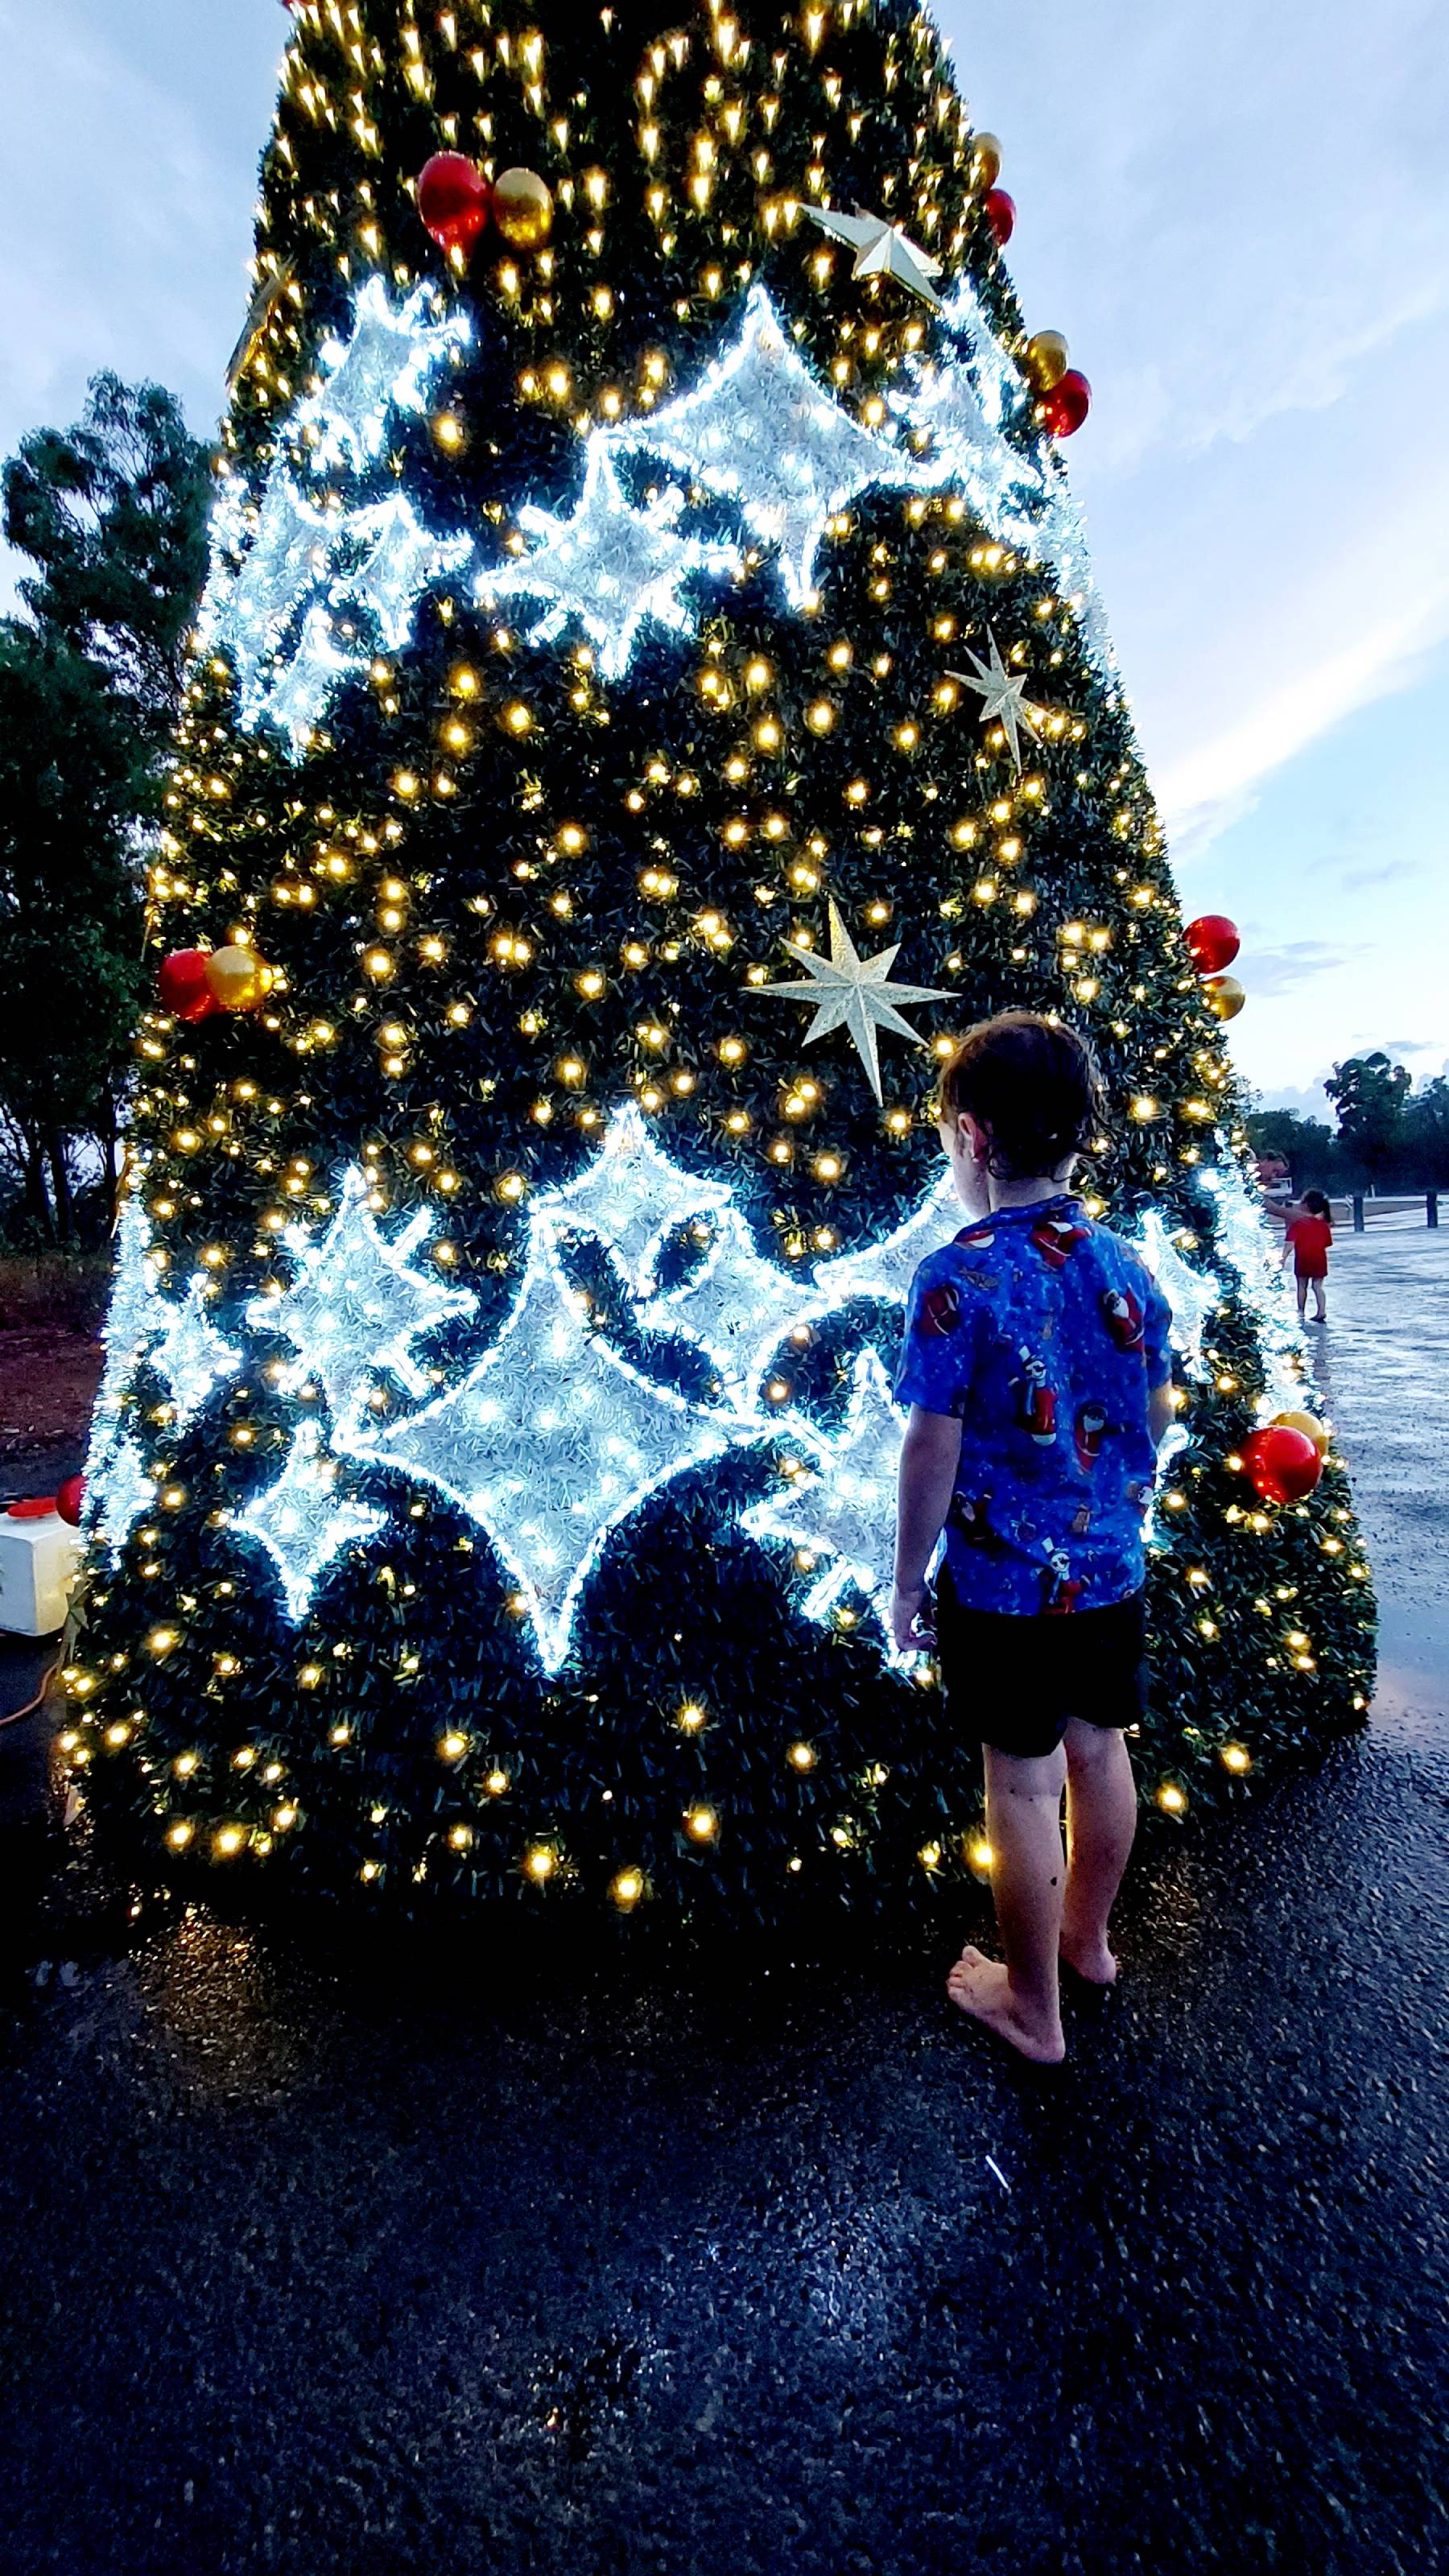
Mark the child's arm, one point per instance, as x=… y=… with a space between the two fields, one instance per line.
x=930 y=1454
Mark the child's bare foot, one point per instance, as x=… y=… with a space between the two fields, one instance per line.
x=981 y=1988
x=1092 y=1961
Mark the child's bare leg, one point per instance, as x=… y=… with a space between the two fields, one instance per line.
x=1302 y=1287
x=1321 y=1301
x=1028 y=1868
x=1101 y=1821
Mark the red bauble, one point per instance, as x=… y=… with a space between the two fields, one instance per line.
x=1000 y=213
x=1064 y=409
x=70 y=1502
x=1213 y=941
x=1280 y=1464
x=453 y=199
x=185 y=992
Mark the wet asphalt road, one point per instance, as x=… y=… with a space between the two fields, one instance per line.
x=491 y=2262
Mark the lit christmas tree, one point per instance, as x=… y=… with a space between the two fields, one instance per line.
x=649 y=697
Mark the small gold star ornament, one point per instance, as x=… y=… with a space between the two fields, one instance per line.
x=881 y=250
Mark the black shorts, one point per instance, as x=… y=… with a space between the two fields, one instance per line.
x=1014 y=1682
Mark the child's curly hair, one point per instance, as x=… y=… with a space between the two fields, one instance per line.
x=1032 y=1083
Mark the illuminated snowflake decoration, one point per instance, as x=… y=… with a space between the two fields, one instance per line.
x=356 y=1306
x=608 y=567
x=386 y=365
x=302 y=1523
x=552 y=1440
x=761 y=432
x=193 y=1358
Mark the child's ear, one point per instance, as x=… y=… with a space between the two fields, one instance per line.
x=977 y=1142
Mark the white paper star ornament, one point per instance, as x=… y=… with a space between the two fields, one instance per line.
x=882 y=250
x=851 y=992
x=1002 y=694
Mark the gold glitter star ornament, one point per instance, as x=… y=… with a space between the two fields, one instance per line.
x=851 y=992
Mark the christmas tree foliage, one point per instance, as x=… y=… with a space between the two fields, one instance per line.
x=649 y=696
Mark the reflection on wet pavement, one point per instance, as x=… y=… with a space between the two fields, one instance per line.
x=342 y=2261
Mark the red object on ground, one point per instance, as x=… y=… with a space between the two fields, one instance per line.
x=36 y=1507
x=185 y=992
x=1063 y=410
x=454 y=200
x=70 y=1502
x=1000 y=213
x=1281 y=1465
x=1213 y=942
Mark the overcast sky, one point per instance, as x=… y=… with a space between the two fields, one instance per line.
x=1238 y=213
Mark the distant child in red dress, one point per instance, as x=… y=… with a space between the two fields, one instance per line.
x=1308 y=1238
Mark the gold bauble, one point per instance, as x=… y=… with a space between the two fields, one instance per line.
x=1310 y=1426
x=522 y=208
x=1045 y=359
x=1224 y=996
x=236 y=978
x=985 y=160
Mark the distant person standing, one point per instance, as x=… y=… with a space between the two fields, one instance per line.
x=1309 y=1237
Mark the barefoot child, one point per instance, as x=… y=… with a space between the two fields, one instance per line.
x=1036 y=1368
x=1308 y=1238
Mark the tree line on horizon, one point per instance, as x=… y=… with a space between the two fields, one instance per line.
x=112 y=515
x=1390 y=1139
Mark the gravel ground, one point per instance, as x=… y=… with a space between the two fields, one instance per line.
x=493 y=2262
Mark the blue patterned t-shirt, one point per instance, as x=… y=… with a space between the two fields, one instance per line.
x=1044 y=1334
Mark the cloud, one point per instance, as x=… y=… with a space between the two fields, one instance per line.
x=1277 y=970
x=1389 y=872
x=1214 y=782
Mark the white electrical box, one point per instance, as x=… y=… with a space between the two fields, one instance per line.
x=38 y=1564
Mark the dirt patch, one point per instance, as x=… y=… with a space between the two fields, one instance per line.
x=48 y=1381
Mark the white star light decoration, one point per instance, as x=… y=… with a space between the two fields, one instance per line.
x=300 y=1521
x=761 y=432
x=631 y=1195
x=385 y=366
x=965 y=404
x=137 y=1313
x=285 y=569
x=881 y=250
x=738 y=1308
x=356 y=1306
x=551 y=1440
x=193 y=1358
x=842 y=1505
x=550 y=1443
x=852 y=992
x=611 y=566
x=116 y=1498
x=290 y=581
x=1002 y=694
x=1191 y=1294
